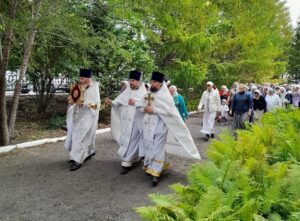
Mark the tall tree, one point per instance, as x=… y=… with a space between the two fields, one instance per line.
x=60 y=49
x=8 y=14
x=224 y=40
x=23 y=67
x=294 y=59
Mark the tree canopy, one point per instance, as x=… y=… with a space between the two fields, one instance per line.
x=223 y=41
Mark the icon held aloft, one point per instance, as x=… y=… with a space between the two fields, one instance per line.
x=77 y=94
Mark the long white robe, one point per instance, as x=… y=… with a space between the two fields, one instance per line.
x=126 y=124
x=208 y=122
x=82 y=123
x=164 y=131
x=211 y=102
x=273 y=102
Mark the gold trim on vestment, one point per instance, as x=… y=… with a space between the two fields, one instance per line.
x=159 y=161
x=155 y=173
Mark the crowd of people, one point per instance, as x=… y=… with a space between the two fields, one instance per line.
x=244 y=103
x=148 y=120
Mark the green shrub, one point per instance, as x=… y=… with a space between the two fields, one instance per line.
x=55 y=123
x=192 y=105
x=256 y=177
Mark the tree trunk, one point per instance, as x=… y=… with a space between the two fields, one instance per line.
x=23 y=68
x=4 y=133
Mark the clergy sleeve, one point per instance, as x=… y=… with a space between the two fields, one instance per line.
x=201 y=102
x=115 y=103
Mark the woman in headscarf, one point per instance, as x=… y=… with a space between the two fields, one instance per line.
x=179 y=102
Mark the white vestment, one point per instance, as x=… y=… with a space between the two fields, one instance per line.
x=165 y=131
x=82 y=122
x=273 y=102
x=211 y=102
x=126 y=124
x=208 y=122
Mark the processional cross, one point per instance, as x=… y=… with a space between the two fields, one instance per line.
x=149 y=98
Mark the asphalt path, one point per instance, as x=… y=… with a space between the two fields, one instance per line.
x=36 y=184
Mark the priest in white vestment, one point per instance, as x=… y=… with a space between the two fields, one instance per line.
x=82 y=121
x=163 y=129
x=211 y=103
x=126 y=121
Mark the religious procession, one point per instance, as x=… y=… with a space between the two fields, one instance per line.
x=148 y=122
x=165 y=110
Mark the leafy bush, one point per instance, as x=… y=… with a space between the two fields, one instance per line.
x=192 y=105
x=255 y=177
x=55 y=123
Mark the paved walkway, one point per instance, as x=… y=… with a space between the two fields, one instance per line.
x=36 y=184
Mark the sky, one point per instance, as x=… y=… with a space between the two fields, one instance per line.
x=294 y=8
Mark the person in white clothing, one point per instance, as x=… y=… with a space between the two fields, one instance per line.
x=126 y=121
x=211 y=103
x=273 y=100
x=164 y=131
x=224 y=112
x=82 y=120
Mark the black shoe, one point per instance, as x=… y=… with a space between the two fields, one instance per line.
x=75 y=166
x=71 y=161
x=206 y=137
x=154 y=181
x=89 y=157
x=212 y=136
x=124 y=170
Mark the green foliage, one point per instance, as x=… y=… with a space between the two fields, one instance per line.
x=55 y=122
x=294 y=56
x=192 y=104
x=255 y=177
x=224 y=40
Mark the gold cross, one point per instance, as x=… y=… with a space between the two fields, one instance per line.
x=149 y=99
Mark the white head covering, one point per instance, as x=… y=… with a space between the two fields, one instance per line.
x=210 y=83
x=175 y=90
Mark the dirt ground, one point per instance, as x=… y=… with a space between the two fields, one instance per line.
x=35 y=126
x=36 y=184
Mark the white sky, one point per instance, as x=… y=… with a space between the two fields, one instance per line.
x=294 y=7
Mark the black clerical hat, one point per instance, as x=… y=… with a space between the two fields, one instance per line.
x=85 y=73
x=157 y=76
x=136 y=75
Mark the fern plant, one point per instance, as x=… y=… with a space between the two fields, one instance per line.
x=256 y=177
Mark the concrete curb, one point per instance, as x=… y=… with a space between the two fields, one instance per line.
x=9 y=148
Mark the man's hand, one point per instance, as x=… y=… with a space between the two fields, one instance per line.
x=70 y=100
x=131 y=102
x=80 y=102
x=230 y=112
x=108 y=102
x=249 y=113
x=148 y=109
